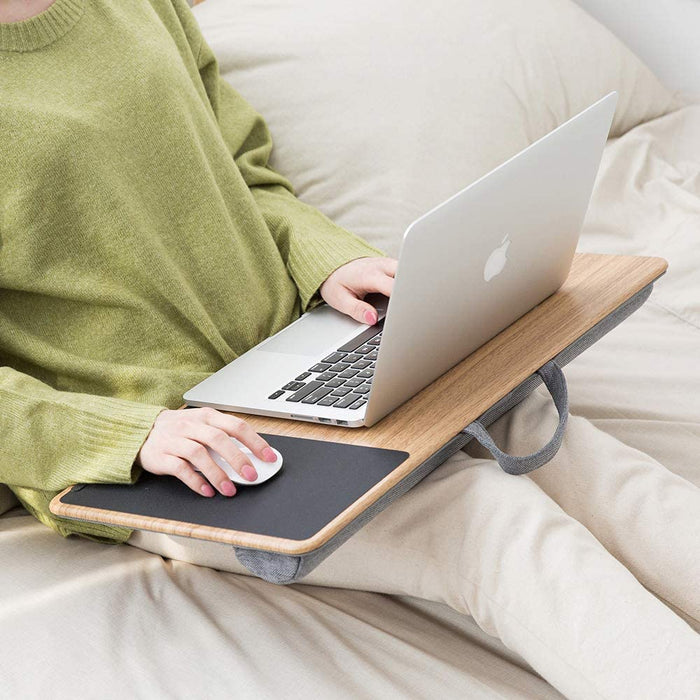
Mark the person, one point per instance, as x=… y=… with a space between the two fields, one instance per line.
x=156 y=246
x=146 y=242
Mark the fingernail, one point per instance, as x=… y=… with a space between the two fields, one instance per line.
x=370 y=318
x=269 y=455
x=227 y=488
x=249 y=473
x=207 y=490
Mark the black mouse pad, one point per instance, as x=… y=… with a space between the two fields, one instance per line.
x=318 y=480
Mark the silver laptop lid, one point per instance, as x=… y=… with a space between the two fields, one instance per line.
x=486 y=256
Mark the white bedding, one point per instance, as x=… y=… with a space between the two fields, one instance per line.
x=663 y=32
x=79 y=618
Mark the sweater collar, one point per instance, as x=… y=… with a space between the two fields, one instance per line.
x=42 y=29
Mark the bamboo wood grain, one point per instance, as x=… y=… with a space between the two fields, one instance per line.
x=595 y=287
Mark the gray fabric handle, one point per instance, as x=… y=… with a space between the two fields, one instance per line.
x=554 y=380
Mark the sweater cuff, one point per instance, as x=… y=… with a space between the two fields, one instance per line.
x=108 y=436
x=110 y=443
x=313 y=265
x=113 y=440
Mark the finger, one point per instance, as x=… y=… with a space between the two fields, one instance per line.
x=347 y=302
x=183 y=470
x=196 y=454
x=219 y=441
x=389 y=266
x=381 y=282
x=238 y=428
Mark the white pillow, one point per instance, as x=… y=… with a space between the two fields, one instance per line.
x=381 y=109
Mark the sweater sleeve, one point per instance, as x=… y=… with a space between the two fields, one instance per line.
x=52 y=439
x=311 y=245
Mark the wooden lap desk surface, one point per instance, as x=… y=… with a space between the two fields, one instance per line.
x=595 y=287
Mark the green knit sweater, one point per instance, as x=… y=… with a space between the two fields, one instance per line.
x=144 y=241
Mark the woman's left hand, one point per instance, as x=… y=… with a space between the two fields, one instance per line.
x=346 y=287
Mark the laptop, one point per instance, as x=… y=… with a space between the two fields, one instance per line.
x=467 y=269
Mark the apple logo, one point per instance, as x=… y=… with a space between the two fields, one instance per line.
x=497 y=260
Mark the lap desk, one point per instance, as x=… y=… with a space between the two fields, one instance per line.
x=335 y=479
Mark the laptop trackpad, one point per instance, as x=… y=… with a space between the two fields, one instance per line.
x=323 y=328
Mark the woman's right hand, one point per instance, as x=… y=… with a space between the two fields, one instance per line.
x=178 y=443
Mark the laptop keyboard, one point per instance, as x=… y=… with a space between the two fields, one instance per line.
x=343 y=379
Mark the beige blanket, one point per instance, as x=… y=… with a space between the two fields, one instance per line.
x=78 y=618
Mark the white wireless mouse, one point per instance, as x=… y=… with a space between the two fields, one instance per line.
x=265 y=470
